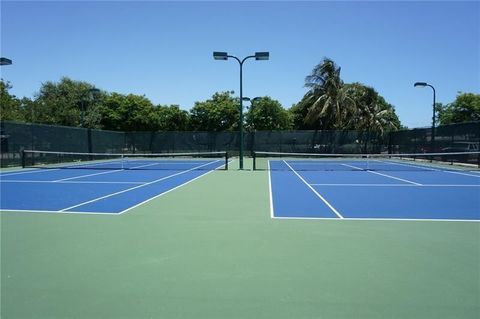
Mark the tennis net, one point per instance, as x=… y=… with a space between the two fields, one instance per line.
x=465 y=161
x=106 y=161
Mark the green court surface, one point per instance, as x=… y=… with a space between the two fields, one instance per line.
x=209 y=249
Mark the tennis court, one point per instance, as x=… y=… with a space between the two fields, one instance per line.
x=377 y=188
x=199 y=241
x=99 y=183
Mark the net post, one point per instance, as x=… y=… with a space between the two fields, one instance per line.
x=254 y=157
x=226 y=161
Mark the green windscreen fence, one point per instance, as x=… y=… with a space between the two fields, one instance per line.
x=16 y=137
x=317 y=141
x=463 y=137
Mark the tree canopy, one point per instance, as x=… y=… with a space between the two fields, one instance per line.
x=268 y=114
x=332 y=104
x=371 y=112
x=67 y=102
x=128 y=113
x=10 y=107
x=465 y=108
x=329 y=103
x=327 y=100
x=220 y=113
x=172 y=118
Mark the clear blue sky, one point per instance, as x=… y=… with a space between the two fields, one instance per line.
x=163 y=50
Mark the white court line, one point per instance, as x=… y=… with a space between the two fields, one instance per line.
x=385 y=175
x=171 y=189
x=272 y=214
x=50 y=169
x=401 y=185
x=313 y=190
x=382 y=219
x=167 y=162
x=146 y=165
x=136 y=187
x=31 y=171
x=449 y=170
x=65 y=182
x=110 y=172
x=54 y=212
x=281 y=218
x=87 y=175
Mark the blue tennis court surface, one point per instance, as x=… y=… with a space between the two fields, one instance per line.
x=96 y=190
x=402 y=193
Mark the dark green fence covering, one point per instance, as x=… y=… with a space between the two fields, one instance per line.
x=16 y=137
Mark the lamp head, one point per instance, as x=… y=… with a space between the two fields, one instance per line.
x=262 y=55
x=420 y=84
x=220 y=55
x=5 y=61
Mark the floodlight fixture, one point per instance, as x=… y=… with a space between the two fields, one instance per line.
x=262 y=56
x=220 y=55
x=5 y=61
x=257 y=98
x=420 y=84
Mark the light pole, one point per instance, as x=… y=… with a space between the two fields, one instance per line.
x=424 y=84
x=225 y=56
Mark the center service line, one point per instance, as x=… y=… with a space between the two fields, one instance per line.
x=81 y=176
x=316 y=193
x=385 y=175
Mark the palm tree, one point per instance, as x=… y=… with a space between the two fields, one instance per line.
x=327 y=99
x=373 y=115
x=372 y=112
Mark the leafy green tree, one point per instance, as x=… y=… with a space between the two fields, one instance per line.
x=172 y=118
x=268 y=114
x=10 y=105
x=465 y=108
x=220 y=113
x=29 y=108
x=327 y=101
x=67 y=102
x=298 y=113
x=128 y=113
